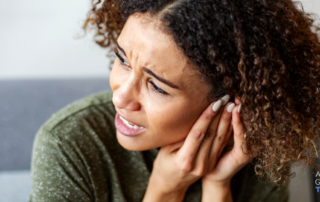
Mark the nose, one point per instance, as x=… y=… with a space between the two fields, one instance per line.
x=126 y=97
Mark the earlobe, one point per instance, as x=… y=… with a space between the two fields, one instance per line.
x=237 y=100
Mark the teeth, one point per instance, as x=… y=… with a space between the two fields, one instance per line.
x=129 y=124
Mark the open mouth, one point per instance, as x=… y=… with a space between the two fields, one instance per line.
x=129 y=124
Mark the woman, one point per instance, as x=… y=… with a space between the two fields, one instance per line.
x=199 y=89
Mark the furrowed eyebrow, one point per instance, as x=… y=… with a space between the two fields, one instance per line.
x=159 y=78
x=151 y=73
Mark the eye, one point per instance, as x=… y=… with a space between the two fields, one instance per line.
x=157 y=89
x=122 y=61
x=154 y=86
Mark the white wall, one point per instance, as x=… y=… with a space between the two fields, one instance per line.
x=37 y=40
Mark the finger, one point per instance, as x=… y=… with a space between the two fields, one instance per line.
x=194 y=139
x=239 y=136
x=238 y=128
x=229 y=144
x=203 y=154
x=225 y=121
x=221 y=138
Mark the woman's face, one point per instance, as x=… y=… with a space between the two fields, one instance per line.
x=154 y=88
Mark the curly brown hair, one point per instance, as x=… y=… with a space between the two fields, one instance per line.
x=266 y=52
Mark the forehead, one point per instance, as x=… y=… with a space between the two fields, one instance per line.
x=146 y=45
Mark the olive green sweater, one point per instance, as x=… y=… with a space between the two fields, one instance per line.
x=76 y=157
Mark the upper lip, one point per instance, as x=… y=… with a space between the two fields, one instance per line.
x=126 y=118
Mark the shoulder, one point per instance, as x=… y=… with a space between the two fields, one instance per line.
x=82 y=129
x=71 y=151
x=84 y=125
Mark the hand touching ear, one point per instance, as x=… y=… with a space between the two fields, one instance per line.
x=179 y=165
x=230 y=162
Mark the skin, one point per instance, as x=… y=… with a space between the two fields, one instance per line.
x=169 y=118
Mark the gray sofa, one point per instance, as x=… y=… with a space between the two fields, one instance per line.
x=24 y=106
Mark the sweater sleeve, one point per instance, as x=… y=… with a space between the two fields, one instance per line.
x=58 y=172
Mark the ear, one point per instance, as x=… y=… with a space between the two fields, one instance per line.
x=237 y=100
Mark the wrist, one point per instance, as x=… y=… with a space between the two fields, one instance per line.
x=157 y=192
x=216 y=184
x=219 y=191
x=153 y=195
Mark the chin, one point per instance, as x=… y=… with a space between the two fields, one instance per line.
x=134 y=143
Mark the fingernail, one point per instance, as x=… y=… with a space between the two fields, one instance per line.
x=217 y=105
x=239 y=108
x=230 y=107
x=225 y=99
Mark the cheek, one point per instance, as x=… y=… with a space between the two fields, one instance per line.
x=173 y=122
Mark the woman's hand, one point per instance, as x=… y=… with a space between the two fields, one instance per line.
x=179 y=165
x=230 y=161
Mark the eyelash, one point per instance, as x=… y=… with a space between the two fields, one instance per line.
x=157 y=89
x=122 y=61
x=154 y=86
